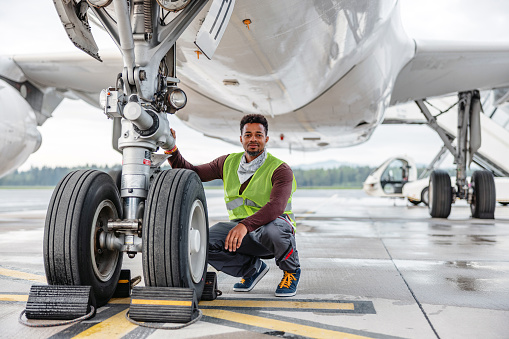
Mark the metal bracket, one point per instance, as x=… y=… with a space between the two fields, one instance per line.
x=432 y=122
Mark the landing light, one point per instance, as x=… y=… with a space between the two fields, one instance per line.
x=177 y=98
x=173 y=5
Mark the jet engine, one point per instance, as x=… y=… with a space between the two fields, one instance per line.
x=19 y=136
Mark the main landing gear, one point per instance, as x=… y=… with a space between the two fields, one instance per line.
x=480 y=193
x=93 y=219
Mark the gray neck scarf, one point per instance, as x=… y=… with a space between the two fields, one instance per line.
x=247 y=169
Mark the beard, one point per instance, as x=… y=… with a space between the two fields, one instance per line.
x=254 y=153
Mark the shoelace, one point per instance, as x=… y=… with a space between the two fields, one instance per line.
x=287 y=280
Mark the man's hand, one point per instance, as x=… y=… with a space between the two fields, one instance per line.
x=234 y=237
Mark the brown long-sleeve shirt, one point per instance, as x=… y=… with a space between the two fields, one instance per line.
x=282 y=180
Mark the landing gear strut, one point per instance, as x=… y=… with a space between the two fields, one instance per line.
x=481 y=192
x=92 y=219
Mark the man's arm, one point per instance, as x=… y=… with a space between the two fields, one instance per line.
x=206 y=172
x=282 y=180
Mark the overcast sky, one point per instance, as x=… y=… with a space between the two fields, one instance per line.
x=79 y=134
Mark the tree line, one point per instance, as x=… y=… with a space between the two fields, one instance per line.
x=343 y=176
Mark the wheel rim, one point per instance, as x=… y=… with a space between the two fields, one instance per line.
x=197 y=241
x=104 y=261
x=425 y=197
x=472 y=204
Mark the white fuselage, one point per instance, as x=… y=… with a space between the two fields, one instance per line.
x=323 y=70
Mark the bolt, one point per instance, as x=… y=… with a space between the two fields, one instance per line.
x=143 y=75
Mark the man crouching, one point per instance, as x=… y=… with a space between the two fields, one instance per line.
x=258 y=190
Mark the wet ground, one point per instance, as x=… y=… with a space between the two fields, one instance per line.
x=371 y=267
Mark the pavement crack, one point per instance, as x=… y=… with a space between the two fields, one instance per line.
x=410 y=290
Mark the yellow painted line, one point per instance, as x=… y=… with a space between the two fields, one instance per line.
x=13 y=297
x=123 y=281
x=279 y=304
x=113 y=327
x=161 y=302
x=278 y=325
x=22 y=275
x=120 y=301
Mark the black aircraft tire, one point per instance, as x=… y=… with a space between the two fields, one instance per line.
x=440 y=194
x=175 y=232
x=414 y=202
x=484 y=195
x=78 y=213
x=425 y=196
x=116 y=175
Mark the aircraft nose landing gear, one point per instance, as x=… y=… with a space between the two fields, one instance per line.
x=91 y=222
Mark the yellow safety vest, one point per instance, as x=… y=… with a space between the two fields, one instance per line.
x=257 y=193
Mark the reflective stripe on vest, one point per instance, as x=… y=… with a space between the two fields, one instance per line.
x=239 y=202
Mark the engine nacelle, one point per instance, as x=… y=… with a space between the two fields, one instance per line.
x=19 y=136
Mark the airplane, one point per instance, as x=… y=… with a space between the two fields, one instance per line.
x=322 y=72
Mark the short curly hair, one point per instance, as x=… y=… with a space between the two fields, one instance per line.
x=254 y=119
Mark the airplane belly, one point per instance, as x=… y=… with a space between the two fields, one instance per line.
x=292 y=52
x=19 y=136
x=341 y=109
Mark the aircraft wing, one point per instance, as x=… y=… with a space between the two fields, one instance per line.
x=440 y=68
x=72 y=74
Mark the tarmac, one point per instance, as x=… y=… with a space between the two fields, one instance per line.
x=371 y=268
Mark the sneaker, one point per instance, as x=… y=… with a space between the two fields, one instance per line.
x=288 y=285
x=247 y=284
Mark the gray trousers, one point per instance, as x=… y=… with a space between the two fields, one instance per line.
x=273 y=240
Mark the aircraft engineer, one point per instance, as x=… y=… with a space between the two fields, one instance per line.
x=258 y=190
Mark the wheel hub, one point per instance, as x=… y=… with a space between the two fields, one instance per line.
x=194 y=241
x=197 y=235
x=104 y=261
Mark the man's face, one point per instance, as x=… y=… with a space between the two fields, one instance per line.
x=253 y=138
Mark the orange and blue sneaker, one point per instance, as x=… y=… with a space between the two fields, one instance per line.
x=288 y=285
x=247 y=284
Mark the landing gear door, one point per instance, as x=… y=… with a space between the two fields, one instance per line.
x=214 y=26
x=75 y=21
